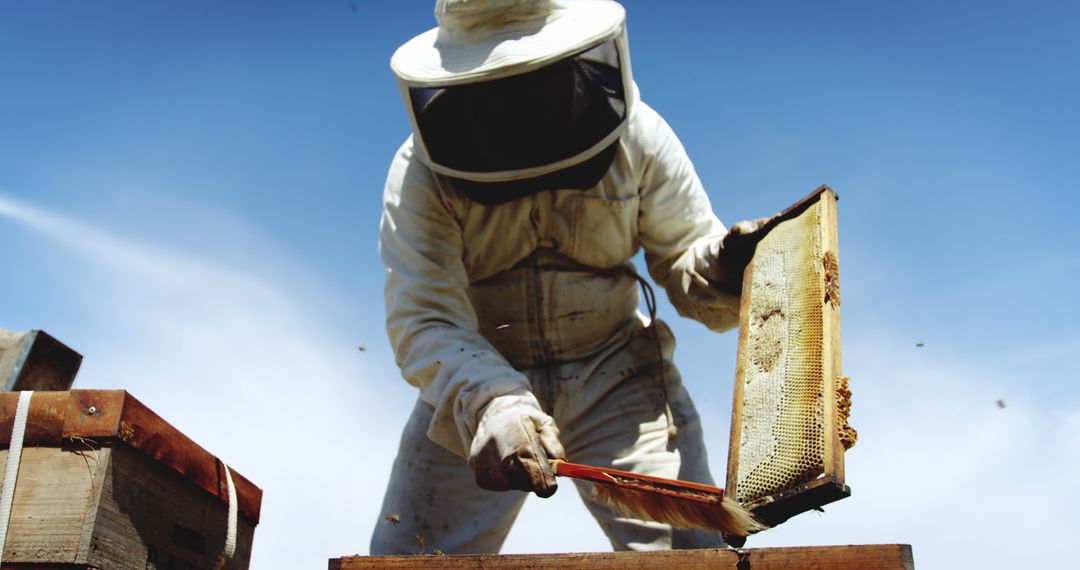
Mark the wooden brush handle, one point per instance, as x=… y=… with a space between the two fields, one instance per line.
x=646 y=483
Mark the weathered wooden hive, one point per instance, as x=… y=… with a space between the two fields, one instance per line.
x=105 y=483
x=855 y=557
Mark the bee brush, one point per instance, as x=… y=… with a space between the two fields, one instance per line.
x=681 y=504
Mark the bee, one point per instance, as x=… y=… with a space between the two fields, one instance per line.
x=361 y=348
x=832 y=278
x=393 y=518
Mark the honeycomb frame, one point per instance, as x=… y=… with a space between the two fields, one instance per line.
x=789 y=416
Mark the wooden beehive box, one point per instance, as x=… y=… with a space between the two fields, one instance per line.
x=105 y=483
x=854 y=557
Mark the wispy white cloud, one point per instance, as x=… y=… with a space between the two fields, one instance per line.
x=246 y=368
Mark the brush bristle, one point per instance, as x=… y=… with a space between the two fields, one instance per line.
x=728 y=516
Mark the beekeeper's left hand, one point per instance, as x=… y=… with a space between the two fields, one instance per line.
x=735 y=250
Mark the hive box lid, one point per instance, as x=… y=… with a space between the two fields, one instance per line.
x=114 y=417
x=33 y=360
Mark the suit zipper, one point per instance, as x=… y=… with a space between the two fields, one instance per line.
x=538 y=310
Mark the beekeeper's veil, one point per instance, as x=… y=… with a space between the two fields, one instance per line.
x=506 y=90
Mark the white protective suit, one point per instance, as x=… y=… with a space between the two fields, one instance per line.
x=536 y=294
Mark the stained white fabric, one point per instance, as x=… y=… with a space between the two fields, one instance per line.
x=478 y=40
x=474 y=21
x=610 y=410
x=540 y=294
x=470 y=302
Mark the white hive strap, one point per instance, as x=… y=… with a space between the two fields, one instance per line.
x=11 y=470
x=230 y=533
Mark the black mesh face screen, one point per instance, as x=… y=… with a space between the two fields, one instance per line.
x=527 y=120
x=578 y=177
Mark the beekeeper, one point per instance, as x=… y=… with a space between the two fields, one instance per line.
x=533 y=175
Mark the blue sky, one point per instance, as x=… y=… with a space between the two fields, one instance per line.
x=190 y=194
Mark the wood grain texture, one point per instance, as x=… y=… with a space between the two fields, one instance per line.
x=57 y=490
x=833 y=369
x=856 y=557
x=150 y=517
x=739 y=397
x=90 y=507
x=101 y=503
x=35 y=566
x=111 y=417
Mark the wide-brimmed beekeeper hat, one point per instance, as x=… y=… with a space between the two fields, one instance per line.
x=484 y=41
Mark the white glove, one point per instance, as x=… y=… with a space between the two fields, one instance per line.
x=514 y=440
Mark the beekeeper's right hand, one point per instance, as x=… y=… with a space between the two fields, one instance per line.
x=514 y=441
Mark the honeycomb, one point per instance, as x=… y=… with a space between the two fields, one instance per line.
x=848 y=435
x=782 y=441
